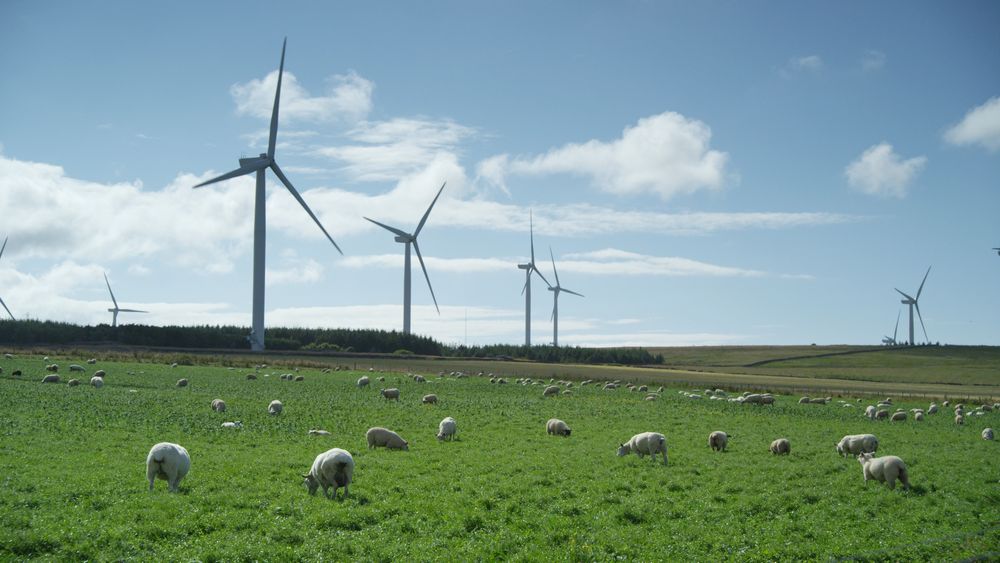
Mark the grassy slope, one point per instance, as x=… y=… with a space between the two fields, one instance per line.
x=72 y=461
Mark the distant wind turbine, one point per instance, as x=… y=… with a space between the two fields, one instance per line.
x=556 y=290
x=408 y=239
x=114 y=312
x=1 y=300
x=259 y=165
x=892 y=341
x=526 y=290
x=914 y=302
x=997 y=251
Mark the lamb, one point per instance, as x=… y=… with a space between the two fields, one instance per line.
x=74 y=367
x=73 y=382
x=898 y=416
x=383 y=437
x=854 y=444
x=717 y=440
x=275 y=407
x=987 y=434
x=51 y=378
x=218 y=405
x=97 y=382
x=363 y=381
x=182 y=382
x=332 y=468
x=167 y=461
x=644 y=443
x=550 y=391
x=318 y=432
x=556 y=427
x=429 y=399
x=392 y=393
x=236 y=424
x=884 y=469
x=781 y=446
x=447 y=429
x=870 y=412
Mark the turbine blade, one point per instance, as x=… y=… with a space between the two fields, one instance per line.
x=896 y=331
x=905 y=295
x=571 y=291
x=921 y=288
x=241 y=171
x=919 y=316
x=8 y=310
x=531 y=230
x=131 y=311
x=552 y=317
x=554 y=270
x=273 y=136
x=428 y=278
x=281 y=176
x=393 y=230
x=537 y=271
x=428 y=212
x=113 y=300
x=527 y=280
x=4 y=246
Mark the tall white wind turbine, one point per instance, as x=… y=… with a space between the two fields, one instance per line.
x=528 y=268
x=1 y=300
x=556 y=290
x=411 y=239
x=114 y=312
x=914 y=302
x=895 y=332
x=259 y=165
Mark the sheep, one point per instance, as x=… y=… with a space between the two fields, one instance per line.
x=767 y=399
x=300 y=378
x=275 y=407
x=15 y=373
x=429 y=399
x=392 y=393
x=882 y=413
x=92 y=361
x=643 y=388
x=218 y=405
x=781 y=446
x=73 y=382
x=318 y=432
x=447 y=429
x=51 y=378
x=332 y=468
x=650 y=398
x=363 y=381
x=717 y=440
x=236 y=424
x=898 y=416
x=550 y=391
x=644 y=443
x=884 y=469
x=854 y=444
x=97 y=382
x=919 y=417
x=52 y=367
x=987 y=434
x=167 y=461
x=556 y=427
x=959 y=419
x=818 y=401
x=182 y=382
x=100 y=373
x=251 y=377
x=987 y=407
x=419 y=379
x=804 y=400
x=383 y=437
x=8 y=356
x=932 y=409
x=74 y=367
x=610 y=386
x=870 y=412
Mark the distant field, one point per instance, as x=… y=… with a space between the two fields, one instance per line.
x=73 y=475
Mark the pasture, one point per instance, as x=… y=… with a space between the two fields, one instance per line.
x=72 y=461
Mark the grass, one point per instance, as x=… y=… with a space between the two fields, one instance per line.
x=72 y=475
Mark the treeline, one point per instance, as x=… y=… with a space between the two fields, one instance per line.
x=31 y=333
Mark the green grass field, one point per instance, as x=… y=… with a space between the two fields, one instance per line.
x=72 y=462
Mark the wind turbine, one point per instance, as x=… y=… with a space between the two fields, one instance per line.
x=259 y=165
x=997 y=251
x=114 y=312
x=914 y=302
x=1 y=300
x=892 y=341
x=408 y=239
x=526 y=290
x=556 y=290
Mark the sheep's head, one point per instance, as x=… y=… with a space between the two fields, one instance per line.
x=840 y=447
x=310 y=483
x=568 y=431
x=406 y=446
x=623 y=450
x=440 y=437
x=864 y=457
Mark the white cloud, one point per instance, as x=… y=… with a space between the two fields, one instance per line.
x=666 y=154
x=298 y=273
x=348 y=99
x=811 y=63
x=872 y=60
x=138 y=270
x=981 y=125
x=879 y=171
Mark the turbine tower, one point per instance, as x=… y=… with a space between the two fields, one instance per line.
x=1 y=300
x=114 y=312
x=892 y=341
x=411 y=239
x=259 y=165
x=526 y=290
x=914 y=302
x=556 y=290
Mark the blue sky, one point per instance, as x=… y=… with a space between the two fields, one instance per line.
x=705 y=173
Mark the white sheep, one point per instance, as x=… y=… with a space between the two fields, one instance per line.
x=919 y=416
x=167 y=461
x=882 y=413
x=101 y=373
x=218 y=405
x=781 y=446
x=392 y=393
x=73 y=382
x=854 y=444
x=51 y=378
x=182 y=382
x=884 y=469
x=932 y=409
x=332 y=468
x=92 y=361
x=429 y=399
x=275 y=407
x=550 y=391
x=447 y=429
x=236 y=424
x=717 y=440
x=97 y=382
x=987 y=434
x=870 y=412
x=363 y=381
x=556 y=427
x=959 y=419
x=74 y=367
x=644 y=443
x=898 y=416
x=318 y=432
x=383 y=437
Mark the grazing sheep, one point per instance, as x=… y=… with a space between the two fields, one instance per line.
x=332 y=468
x=300 y=378
x=251 y=377
x=881 y=414
x=854 y=444
x=429 y=399
x=898 y=416
x=97 y=382
x=884 y=469
x=804 y=400
x=767 y=399
x=987 y=434
x=717 y=440
x=919 y=417
x=363 y=381
x=392 y=393
x=52 y=367
x=643 y=388
x=987 y=408
x=218 y=405
x=419 y=379
x=318 y=432
x=959 y=419
x=644 y=443
x=100 y=373
x=51 y=378
x=167 y=461
x=781 y=446
x=236 y=424
x=550 y=391
x=15 y=373
x=182 y=382
x=383 y=437
x=933 y=409
x=610 y=386
x=556 y=427
x=275 y=407
x=92 y=361
x=74 y=367
x=73 y=382
x=870 y=412
x=447 y=428
x=650 y=398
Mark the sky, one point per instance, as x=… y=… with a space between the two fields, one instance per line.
x=704 y=173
